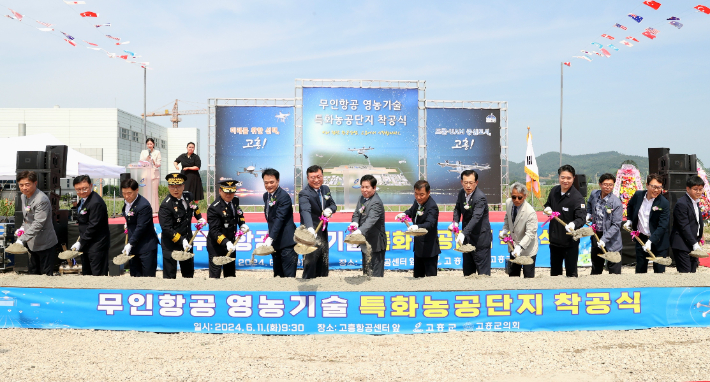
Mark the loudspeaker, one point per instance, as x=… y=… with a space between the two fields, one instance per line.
x=580 y=183
x=61 y=153
x=124 y=176
x=47 y=180
x=654 y=155
x=30 y=160
x=673 y=197
x=675 y=181
x=677 y=163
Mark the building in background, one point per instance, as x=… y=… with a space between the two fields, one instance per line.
x=107 y=134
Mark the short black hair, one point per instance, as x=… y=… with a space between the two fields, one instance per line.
x=468 y=173
x=655 y=177
x=424 y=184
x=694 y=181
x=191 y=143
x=606 y=177
x=150 y=140
x=314 y=168
x=568 y=168
x=30 y=175
x=129 y=183
x=270 y=171
x=369 y=179
x=82 y=178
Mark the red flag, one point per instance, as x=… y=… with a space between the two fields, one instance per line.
x=70 y=41
x=653 y=4
x=568 y=63
x=19 y=16
x=649 y=35
x=125 y=57
x=607 y=36
x=632 y=38
x=606 y=52
x=703 y=9
x=89 y=14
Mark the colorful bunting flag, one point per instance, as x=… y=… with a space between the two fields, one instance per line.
x=89 y=14
x=583 y=57
x=45 y=29
x=74 y=2
x=636 y=18
x=653 y=4
x=567 y=63
x=598 y=45
x=613 y=47
x=48 y=25
x=92 y=48
x=620 y=26
x=700 y=8
x=102 y=25
x=626 y=43
x=123 y=43
x=652 y=31
x=586 y=52
x=114 y=38
x=70 y=42
x=673 y=18
x=649 y=35
x=606 y=52
x=90 y=43
x=68 y=36
x=129 y=52
x=632 y=38
x=19 y=17
x=607 y=36
x=676 y=24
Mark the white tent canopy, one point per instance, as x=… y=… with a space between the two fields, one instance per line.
x=77 y=163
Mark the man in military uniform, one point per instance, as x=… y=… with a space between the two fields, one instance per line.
x=175 y=216
x=224 y=217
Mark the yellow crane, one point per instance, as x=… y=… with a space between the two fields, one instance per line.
x=174 y=115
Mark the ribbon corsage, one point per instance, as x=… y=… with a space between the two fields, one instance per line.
x=325 y=222
x=552 y=216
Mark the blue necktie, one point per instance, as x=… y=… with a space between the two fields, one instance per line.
x=81 y=204
x=320 y=198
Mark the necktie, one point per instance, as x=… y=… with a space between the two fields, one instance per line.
x=268 y=202
x=234 y=213
x=515 y=213
x=81 y=204
x=320 y=198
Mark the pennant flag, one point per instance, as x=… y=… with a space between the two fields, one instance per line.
x=45 y=29
x=74 y=2
x=111 y=37
x=598 y=45
x=10 y=17
x=649 y=35
x=123 y=43
x=19 y=17
x=102 y=25
x=700 y=8
x=532 y=177
x=653 y=4
x=613 y=47
x=94 y=48
x=607 y=36
x=626 y=43
x=90 y=43
x=89 y=14
x=567 y=63
x=70 y=41
x=68 y=36
x=111 y=55
x=129 y=52
x=632 y=38
x=652 y=31
x=620 y=26
x=598 y=54
x=585 y=52
x=125 y=57
x=583 y=57
x=48 y=25
x=606 y=52
x=673 y=18
x=636 y=18
x=676 y=24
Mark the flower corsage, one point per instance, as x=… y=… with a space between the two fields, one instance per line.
x=272 y=201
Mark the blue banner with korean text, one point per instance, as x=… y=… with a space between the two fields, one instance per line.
x=399 y=253
x=323 y=312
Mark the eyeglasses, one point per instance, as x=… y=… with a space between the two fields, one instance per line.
x=83 y=189
x=655 y=187
x=315 y=177
x=517 y=197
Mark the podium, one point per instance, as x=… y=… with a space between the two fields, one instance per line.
x=148 y=178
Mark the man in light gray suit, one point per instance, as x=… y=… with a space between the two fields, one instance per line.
x=521 y=224
x=369 y=220
x=39 y=235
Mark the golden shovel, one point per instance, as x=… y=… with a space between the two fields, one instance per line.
x=304 y=246
x=66 y=255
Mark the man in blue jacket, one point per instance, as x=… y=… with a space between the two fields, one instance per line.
x=142 y=239
x=472 y=208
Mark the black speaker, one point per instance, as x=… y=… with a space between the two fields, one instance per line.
x=675 y=181
x=673 y=197
x=654 y=154
x=580 y=183
x=124 y=176
x=677 y=163
x=47 y=180
x=31 y=160
x=60 y=162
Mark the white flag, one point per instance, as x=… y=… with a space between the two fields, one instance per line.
x=532 y=177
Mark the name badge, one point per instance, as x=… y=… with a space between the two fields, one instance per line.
x=565 y=209
x=226 y=225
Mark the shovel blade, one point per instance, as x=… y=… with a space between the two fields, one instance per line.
x=66 y=255
x=303 y=249
x=614 y=257
x=523 y=260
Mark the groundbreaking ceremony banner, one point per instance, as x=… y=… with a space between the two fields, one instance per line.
x=323 y=312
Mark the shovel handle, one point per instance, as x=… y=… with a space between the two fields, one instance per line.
x=320 y=224
x=602 y=248
x=510 y=247
x=407 y=223
x=641 y=242
x=194 y=235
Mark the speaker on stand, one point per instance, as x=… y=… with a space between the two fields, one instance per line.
x=580 y=183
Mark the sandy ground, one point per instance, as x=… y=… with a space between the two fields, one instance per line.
x=672 y=354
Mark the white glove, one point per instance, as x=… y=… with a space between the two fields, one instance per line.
x=517 y=250
x=354 y=224
x=76 y=246
x=412 y=227
x=327 y=212
x=601 y=244
x=460 y=238
x=230 y=246
x=452 y=225
x=627 y=225
x=696 y=247
x=244 y=228
x=18 y=241
x=400 y=216
x=589 y=218
x=569 y=227
x=356 y=232
x=20 y=230
x=202 y=221
x=186 y=245
x=312 y=231
x=268 y=241
x=547 y=211
x=647 y=246
x=127 y=249
x=502 y=234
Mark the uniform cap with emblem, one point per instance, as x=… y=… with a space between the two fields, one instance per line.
x=175 y=179
x=229 y=185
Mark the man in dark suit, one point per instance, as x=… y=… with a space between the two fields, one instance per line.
x=315 y=200
x=224 y=218
x=142 y=239
x=37 y=225
x=175 y=217
x=649 y=214
x=472 y=207
x=687 y=228
x=278 y=208
x=369 y=220
x=424 y=214
x=94 y=236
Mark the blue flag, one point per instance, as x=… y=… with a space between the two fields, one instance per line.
x=598 y=45
x=613 y=47
x=636 y=18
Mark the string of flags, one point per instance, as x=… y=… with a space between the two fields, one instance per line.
x=127 y=56
x=651 y=33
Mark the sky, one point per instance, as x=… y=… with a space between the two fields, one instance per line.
x=654 y=94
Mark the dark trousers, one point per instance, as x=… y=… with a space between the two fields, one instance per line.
x=144 y=264
x=42 y=262
x=187 y=267
x=285 y=262
x=477 y=261
x=598 y=262
x=94 y=263
x=528 y=270
x=642 y=263
x=425 y=266
x=377 y=264
x=315 y=264
x=568 y=255
x=230 y=270
x=685 y=263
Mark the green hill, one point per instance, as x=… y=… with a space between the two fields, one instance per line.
x=592 y=165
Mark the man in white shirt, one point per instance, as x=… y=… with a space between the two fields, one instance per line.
x=649 y=214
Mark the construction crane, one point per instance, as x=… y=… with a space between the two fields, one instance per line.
x=174 y=115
